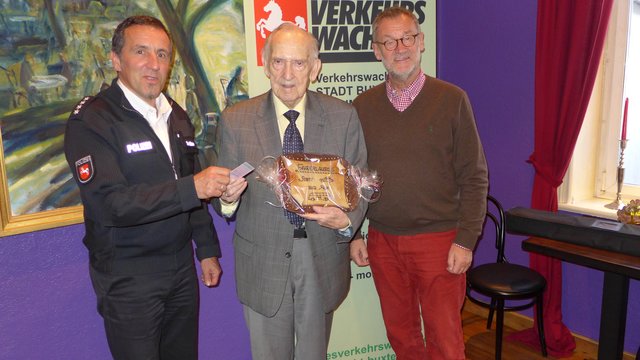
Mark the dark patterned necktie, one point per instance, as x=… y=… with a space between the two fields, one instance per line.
x=292 y=143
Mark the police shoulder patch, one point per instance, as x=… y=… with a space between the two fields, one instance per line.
x=85 y=169
x=81 y=105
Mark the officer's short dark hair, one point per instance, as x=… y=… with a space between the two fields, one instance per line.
x=117 y=42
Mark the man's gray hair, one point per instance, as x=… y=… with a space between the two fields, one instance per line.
x=314 y=46
x=392 y=13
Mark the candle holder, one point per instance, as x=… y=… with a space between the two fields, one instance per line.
x=617 y=203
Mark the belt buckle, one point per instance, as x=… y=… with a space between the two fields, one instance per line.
x=299 y=233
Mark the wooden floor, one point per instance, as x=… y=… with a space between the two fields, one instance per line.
x=480 y=342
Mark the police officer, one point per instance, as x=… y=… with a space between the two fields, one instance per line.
x=133 y=154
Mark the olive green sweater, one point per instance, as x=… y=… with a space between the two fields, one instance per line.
x=431 y=160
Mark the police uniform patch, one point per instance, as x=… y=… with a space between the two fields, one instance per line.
x=84 y=169
x=81 y=105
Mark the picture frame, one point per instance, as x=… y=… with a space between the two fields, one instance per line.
x=52 y=55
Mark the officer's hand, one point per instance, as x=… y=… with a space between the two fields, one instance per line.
x=211 y=271
x=211 y=182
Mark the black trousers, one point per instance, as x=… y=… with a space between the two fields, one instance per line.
x=150 y=316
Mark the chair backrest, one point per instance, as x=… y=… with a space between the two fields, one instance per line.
x=495 y=215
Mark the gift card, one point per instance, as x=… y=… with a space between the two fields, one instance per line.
x=241 y=171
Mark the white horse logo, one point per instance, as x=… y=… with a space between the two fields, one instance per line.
x=275 y=19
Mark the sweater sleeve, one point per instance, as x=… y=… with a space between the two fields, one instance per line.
x=204 y=232
x=471 y=176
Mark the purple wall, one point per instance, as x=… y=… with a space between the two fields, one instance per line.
x=47 y=306
x=488 y=48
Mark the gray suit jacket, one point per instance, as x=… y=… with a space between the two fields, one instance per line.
x=263 y=239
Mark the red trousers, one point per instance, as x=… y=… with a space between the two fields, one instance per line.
x=410 y=274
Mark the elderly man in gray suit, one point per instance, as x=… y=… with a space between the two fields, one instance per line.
x=290 y=276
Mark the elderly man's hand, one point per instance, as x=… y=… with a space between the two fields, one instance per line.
x=234 y=190
x=329 y=216
x=358 y=252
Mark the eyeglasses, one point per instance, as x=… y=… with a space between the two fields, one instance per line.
x=407 y=41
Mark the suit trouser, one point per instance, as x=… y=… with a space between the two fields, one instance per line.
x=300 y=328
x=411 y=279
x=150 y=316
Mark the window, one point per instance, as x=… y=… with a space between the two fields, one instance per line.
x=591 y=181
x=632 y=92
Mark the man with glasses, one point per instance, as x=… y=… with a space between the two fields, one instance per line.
x=421 y=136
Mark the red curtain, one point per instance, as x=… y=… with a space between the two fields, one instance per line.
x=569 y=42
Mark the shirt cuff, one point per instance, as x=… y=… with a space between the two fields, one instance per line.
x=346 y=231
x=462 y=247
x=228 y=209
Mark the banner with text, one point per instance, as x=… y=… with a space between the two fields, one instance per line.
x=349 y=67
x=343 y=29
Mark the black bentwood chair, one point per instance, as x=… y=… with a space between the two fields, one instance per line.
x=502 y=281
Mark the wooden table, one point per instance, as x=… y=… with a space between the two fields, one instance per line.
x=618 y=268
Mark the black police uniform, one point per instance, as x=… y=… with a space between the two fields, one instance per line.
x=140 y=221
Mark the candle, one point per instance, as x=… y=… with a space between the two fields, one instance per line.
x=624 y=120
